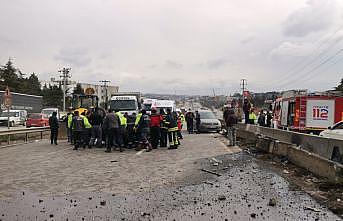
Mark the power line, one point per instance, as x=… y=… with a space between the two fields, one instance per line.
x=303 y=64
x=310 y=72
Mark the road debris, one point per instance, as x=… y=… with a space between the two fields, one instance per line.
x=145 y=214
x=312 y=209
x=221 y=197
x=211 y=172
x=272 y=202
x=217 y=161
x=207 y=182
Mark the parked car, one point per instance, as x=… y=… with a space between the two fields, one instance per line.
x=335 y=131
x=37 y=120
x=17 y=117
x=208 y=121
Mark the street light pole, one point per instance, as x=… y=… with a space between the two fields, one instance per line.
x=65 y=76
x=243 y=85
x=105 y=86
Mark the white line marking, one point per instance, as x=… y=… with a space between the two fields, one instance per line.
x=140 y=152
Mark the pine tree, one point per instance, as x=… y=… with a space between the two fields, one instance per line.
x=52 y=96
x=8 y=74
x=340 y=86
x=78 y=90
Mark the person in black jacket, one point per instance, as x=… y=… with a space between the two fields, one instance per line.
x=246 y=109
x=95 y=119
x=231 y=121
x=53 y=122
x=77 y=126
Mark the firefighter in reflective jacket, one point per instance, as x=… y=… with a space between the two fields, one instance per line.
x=142 y=127
x=155 y=128
x=164 y=130
x=171 y=121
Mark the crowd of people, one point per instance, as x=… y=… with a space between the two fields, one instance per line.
x=231 y=116
x=263 y=119
x=115 y=130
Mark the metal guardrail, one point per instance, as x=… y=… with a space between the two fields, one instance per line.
x=25 y=131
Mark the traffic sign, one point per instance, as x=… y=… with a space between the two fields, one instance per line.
x=7 y=98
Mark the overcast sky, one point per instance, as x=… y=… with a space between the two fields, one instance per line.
x=182 y=46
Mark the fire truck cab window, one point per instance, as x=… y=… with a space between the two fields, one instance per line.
x=291 y=113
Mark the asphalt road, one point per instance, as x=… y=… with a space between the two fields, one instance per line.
x=43 y=182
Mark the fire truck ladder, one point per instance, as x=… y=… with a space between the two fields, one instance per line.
x=302 y=112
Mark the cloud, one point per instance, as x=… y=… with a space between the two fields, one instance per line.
x=287 y=49
x=151 y=66
x=248 y=39
x=173 y=65
x=217 y=63
x=74 y=56
x=316 y=15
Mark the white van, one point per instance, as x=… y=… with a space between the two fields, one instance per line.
x=17 y=117
x=48 y=112
x=164 y=105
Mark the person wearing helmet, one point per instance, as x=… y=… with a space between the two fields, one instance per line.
x=171 y=121
x=142 y=127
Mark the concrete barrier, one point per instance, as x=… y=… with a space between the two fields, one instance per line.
x=312 y=162
x=331 y=149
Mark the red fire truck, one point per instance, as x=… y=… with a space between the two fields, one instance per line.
x=308 y=112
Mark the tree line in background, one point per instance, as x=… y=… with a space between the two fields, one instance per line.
x=19 y=82
x=53 y=95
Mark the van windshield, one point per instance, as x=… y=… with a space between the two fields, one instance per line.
x=12 y=114
x=147 y=107
x=47 y=112
x=123 y=105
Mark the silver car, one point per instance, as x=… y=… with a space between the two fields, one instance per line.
x=208 y=121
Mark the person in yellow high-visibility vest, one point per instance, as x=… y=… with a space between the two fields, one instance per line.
x=87 y=132
x=120 y=135
x=252 y=117
x=69 y=129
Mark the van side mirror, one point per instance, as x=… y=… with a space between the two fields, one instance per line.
x=330 y=128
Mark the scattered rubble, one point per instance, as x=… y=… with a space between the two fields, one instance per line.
x=272 y=202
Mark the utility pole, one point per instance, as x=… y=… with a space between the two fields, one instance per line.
x=243 y=87
x=214 y=92
x=65 y=75
x=105 y=86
